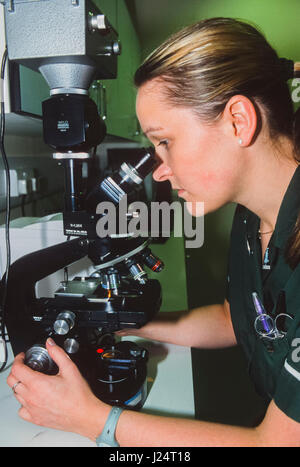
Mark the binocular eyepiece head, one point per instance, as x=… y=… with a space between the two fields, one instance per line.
x=123 y=182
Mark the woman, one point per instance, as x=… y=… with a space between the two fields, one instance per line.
x=214 y=101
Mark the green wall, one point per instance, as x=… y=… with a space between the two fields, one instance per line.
x=277 y=19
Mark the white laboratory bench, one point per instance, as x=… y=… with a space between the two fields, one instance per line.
x=170 y=393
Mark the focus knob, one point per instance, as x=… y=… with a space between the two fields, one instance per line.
x=38 y=359
x=64 y=323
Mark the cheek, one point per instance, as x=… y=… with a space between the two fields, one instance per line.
x=223 y=176
x=202 y=186
x=200 y=180
x=208 y=178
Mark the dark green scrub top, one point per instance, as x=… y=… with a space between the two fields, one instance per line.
x=274 y=365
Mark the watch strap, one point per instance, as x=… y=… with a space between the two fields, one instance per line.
x=107 y=437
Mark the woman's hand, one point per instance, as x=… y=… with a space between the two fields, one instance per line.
x=63 y=402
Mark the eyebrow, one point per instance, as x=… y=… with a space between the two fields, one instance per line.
x=152 y=129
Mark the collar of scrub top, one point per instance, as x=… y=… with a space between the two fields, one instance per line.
x=288 y=212
x=287 y=215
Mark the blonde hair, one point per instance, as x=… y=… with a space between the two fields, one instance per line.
x=205 y=64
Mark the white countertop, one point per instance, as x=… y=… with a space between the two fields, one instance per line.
x=170 y=393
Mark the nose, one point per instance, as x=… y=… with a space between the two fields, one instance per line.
x=162 y=173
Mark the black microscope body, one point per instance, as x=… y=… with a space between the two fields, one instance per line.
x=84 y=312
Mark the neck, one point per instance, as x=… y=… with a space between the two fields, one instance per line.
x=269 y=172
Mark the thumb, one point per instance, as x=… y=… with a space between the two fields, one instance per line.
x=60 y=357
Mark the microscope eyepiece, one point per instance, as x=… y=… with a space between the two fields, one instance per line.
x=123 y=182
x=146 y=164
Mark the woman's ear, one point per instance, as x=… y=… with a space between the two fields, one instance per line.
x=241 y=115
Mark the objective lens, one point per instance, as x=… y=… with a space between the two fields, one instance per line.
x=136 y=271
x=152 y=261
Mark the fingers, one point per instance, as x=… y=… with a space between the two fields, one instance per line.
x=19 y=371
x=18 y=388
x=20 y=357
x=29 y=377
x=14 y=384
x=23 y=413
x=20 y=399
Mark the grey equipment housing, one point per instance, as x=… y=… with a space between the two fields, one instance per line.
x=69 y=41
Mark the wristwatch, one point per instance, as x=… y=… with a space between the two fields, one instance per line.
x=107 y=437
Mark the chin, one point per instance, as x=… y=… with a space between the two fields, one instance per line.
x=198 y=208
x=194 y=208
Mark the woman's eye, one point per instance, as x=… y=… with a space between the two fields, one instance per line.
x=164 y=142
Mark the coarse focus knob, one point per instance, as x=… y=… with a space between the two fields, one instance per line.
x=38 y=359
x=64 y=323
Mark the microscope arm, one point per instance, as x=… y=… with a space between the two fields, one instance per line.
x=23 y=275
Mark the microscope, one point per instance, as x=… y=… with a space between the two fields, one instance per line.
x=71 y=43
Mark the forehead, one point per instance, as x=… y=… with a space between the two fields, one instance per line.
x=159 y=118
x=155 y=112
x=152 y=92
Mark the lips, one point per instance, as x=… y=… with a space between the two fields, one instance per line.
x=181 y=192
